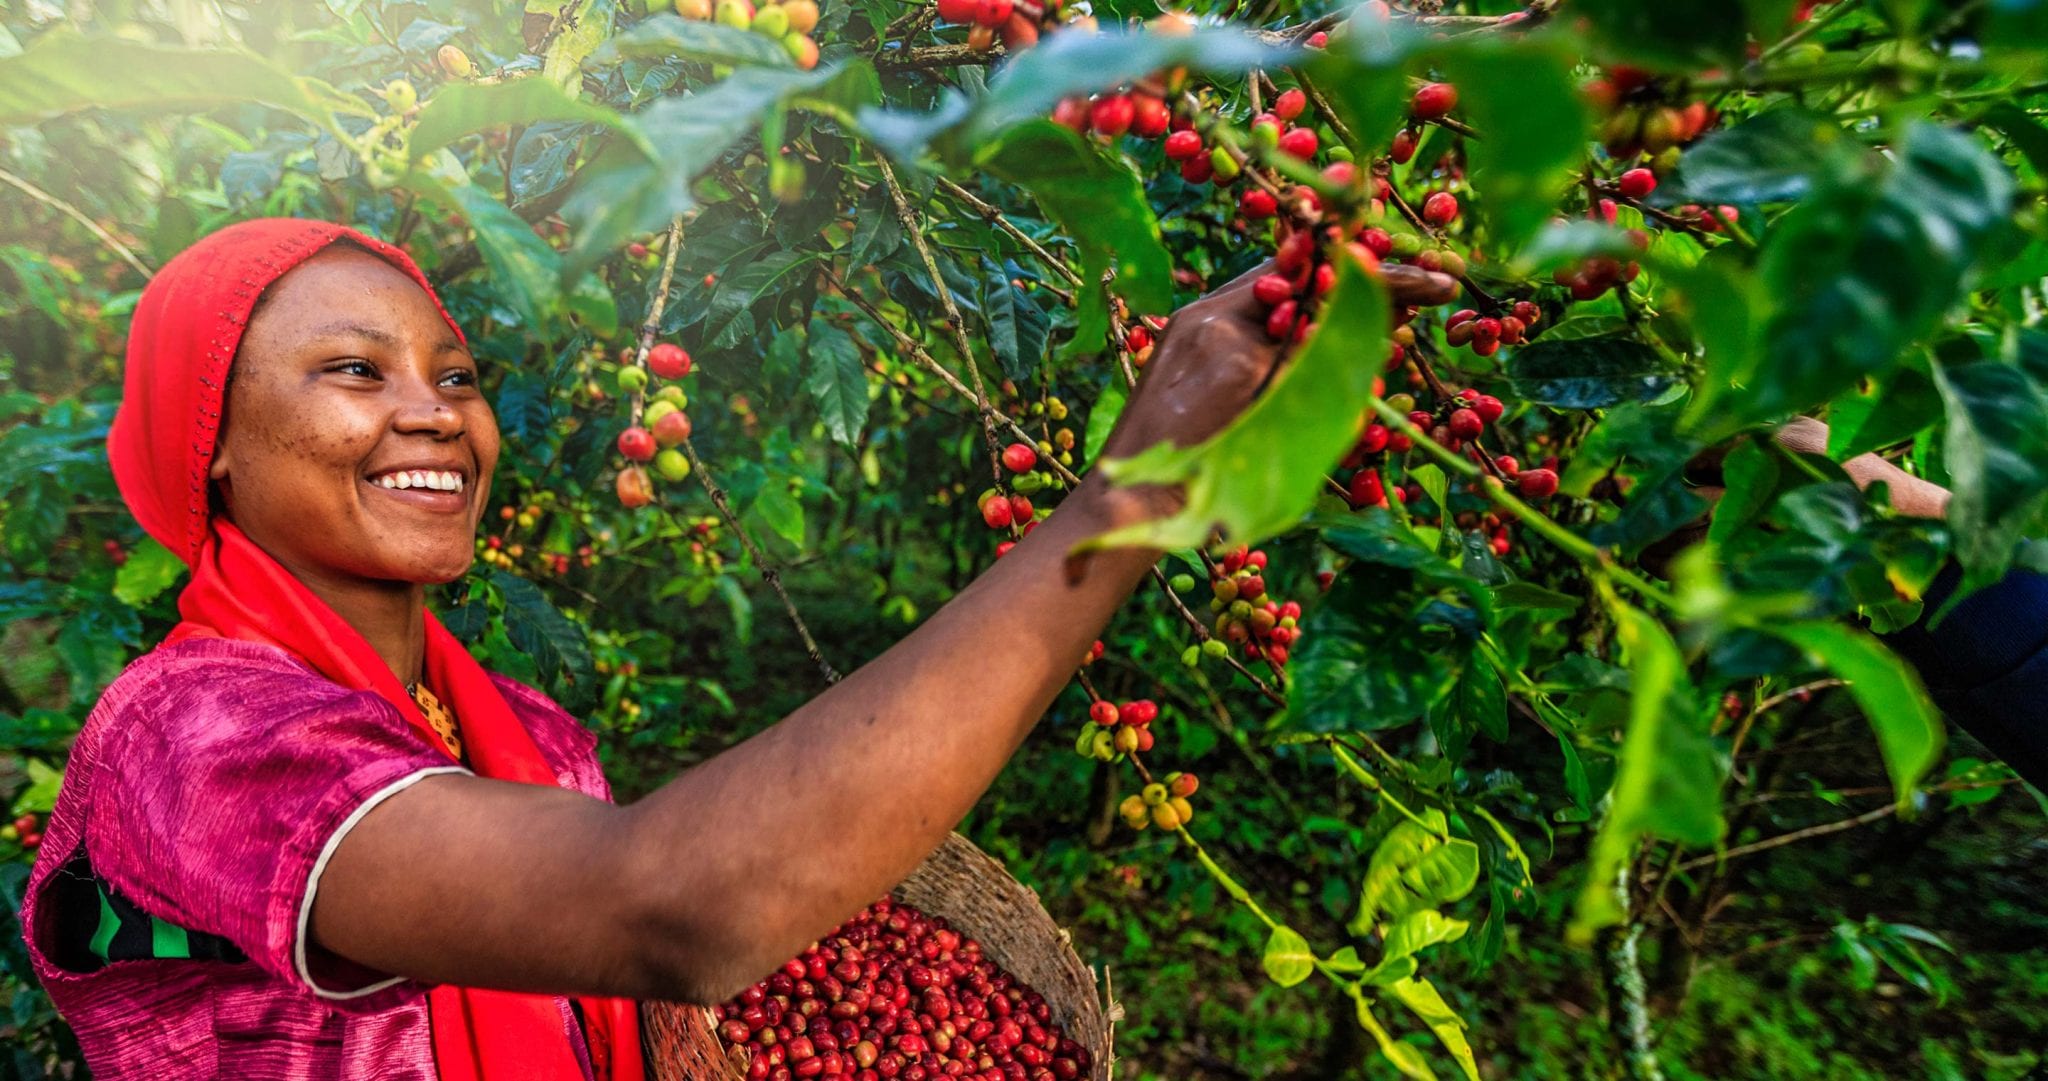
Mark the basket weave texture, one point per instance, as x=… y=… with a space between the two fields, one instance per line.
x=979 y=898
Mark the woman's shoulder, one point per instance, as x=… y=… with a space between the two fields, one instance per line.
x=224 y=676
x=569 y=745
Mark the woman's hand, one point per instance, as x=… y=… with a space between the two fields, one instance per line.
x=1910 y=495
x=1216 y=355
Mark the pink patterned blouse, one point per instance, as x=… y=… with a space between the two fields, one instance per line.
x=209 y=786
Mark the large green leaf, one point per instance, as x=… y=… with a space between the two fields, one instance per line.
x=837 y=382
x=524 y=270
x=1421 y=998
x=1519 y=92
x=668 y=36
x=1859 y=271
x=580 y=27
x=63 y=71
x=1667 y=782
x=1996 y=451
x=460 y=109
x=1017 y=326
x=150 y=569
x=1909 y=729
x=1589 y=373
x=1098 y=200
x=1768 y=158
x=623 y=194
x=1673 y=33
x=556 y=645
x=1417 y=866
x=1234 y=481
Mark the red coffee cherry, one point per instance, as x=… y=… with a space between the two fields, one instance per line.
x=1271 y=289
x=958 y=11
x=1433 y=100
x=1299 y=143
x=1403 y=149
x=637 y=444
x=1149 y=116
x=1290 y=104
x=1103 y=712
x=1183 y=145
x=1636 y=183
x=1465 y=424
x=633 y=487
x=1537 y=483
x=1020 y=509
x=1528 y=312
x=995 y=511
x=1441 y=208
x=668 y=361
x=1488 y=407
x=1258 y=203
x=1111 y=115
x=672 y=428
x=1020 y=457
x=993 y=13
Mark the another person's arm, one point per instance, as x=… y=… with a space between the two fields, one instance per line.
x=733 y=867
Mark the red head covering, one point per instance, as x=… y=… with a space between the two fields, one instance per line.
x=186 y=329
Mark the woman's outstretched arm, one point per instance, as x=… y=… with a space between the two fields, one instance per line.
x=710 y=882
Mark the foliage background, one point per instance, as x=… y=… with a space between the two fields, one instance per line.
x=1906 y=946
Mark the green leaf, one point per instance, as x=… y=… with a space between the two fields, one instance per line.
x=1858 y=272
x=459 y=109
x=1233 y=480
x=1750 y=474
x=780 y=511
x=1521 y=93
x=579 y=33
x=1909 y=728
x=1891 y=410
x=1102 y=417
x=524 y=270
x=1017 y=326
x=1098 y=200
x=668 y=36
x=1419 y=930
x=1287 y=959
x=1385 y=643
x=63 y=71
x=623 y=194
x=837 y=382
x=1403 y=1057
x=1421 y=998
x=1416 y=866
x=556 y=645
x=1686 y=34
x=1589 y=373
x=1667 y=781
x=1996 y=451
x=151 y=569
x=1769 y=158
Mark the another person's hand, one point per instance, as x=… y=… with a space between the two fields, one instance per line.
x=1910 y=495
x=1216 y=355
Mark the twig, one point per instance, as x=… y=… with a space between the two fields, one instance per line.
x=77 y=215
x=938 y=56
x=954 y=322
x=994 y=216
x=1486 y=300
x=1202 y=633
x=1793 y=837
x=648 y=328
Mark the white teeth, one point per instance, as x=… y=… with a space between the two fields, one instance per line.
x=438 y=480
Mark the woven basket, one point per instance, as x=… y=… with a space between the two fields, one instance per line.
x=981 y=900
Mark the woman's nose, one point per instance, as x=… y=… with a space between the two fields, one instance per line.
x=424 y=411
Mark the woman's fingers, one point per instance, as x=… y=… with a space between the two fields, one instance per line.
x=1413 y=287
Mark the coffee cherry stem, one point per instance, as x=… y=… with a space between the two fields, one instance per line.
x=1420 y=356
x=1485 y=301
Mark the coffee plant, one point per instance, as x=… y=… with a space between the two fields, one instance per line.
x=1495 y=642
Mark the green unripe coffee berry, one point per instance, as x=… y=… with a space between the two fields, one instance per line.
x=1216 y=647
x=673 y=393
x=771 y=21
x=672 y=464
x=656 y=410
x=632 y=379
x=1225 y=166
x=1154 y=794
x=1191 y=656
x=1181 y=583
x=1406 y=246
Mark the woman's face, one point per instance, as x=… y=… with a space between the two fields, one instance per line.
x=358 y=445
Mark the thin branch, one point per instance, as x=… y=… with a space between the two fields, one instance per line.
x=648 y=328
x=1793 y=837
x=39 y=195
x=937 y=56
x=994 y=216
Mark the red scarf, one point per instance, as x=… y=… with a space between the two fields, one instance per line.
x=186 y=329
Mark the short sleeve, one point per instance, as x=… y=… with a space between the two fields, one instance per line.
x=226 y=787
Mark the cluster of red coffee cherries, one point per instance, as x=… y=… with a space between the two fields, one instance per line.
x=1120 y=728
x=1017 y=22
x=897 y=993
x=1638 y=120
x=28 y=829
x=1485 y=334
x=1247 y=614
x=663 y=425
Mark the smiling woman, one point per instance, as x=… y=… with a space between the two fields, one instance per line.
x=310 y=837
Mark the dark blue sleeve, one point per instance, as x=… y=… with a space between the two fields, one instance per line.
x=1987 y=665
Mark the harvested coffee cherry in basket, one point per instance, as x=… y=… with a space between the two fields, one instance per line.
x=895 y=993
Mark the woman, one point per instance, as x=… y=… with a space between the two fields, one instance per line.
x=302 y=837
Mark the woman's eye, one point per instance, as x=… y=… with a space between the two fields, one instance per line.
x=461 y=377
x=361 y=368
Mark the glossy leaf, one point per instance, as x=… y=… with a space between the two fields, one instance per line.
x=526 y=270
x=1909 y=728
x=1421 y=998
x=1859 y=271
x=1234 y=482
x=1668 y=778
x=1287 y=958
x=1417 y=866
x=1589 y=373
x=151 y=569
x=460 y=109
x=63 y=71
x=1996 y=450
x=1769 y=158
x=668 y=36
x=837 y=382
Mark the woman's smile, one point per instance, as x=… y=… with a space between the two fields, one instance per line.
x=441 y=488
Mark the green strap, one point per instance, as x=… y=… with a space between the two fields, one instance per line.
x=168 y=940
x=110 y=924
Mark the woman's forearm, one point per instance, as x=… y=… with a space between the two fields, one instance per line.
x=761 y=849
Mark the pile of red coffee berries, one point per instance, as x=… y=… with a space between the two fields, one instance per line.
x=1639 y=119
x=663 y=425
x=1485 y=334
x=1163 y=803
x=896 y=993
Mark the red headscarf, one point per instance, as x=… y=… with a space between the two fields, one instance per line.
x=184 y=336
